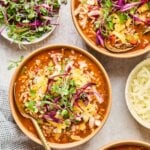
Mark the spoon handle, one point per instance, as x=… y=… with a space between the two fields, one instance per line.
x=40 y=134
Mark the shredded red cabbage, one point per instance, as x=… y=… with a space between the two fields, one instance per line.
x=35 y=24
x=79 y=91
x=139 y=19
x=99 y=2
x=128 y=6
x=1 y=30
x=57 y=99
x=46 y=6
x=59 y=75
x=120 y=3
x=51 y=80
x=98 y=96
x=51 y=115
x=99 y=38
x=49 y=84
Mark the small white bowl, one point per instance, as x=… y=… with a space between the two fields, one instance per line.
x=128 y=98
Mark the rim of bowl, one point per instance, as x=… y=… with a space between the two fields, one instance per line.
x=125 y=142
x=128 y=82
x=12 y=103
x=103 y=50
x=37 y=40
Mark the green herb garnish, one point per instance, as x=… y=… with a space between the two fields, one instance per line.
x=31 y=105
x=123 y=17
x=32 y=93
x=14 y=64
x=65 y=113
x=108 y=3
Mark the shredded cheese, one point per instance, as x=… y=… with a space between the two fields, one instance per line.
x=139 y=93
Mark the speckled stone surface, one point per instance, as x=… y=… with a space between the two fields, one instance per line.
x=120 y=124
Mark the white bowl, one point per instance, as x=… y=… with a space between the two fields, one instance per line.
x=128 y=98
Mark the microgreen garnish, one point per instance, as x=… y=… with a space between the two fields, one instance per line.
x=123 y=17
x=14 y=64
x=31 y=105
x=32 y=93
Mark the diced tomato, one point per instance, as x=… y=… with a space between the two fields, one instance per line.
x=112 y=39
x=133 y=41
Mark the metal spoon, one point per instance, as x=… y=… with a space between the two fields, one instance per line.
x=36 y=125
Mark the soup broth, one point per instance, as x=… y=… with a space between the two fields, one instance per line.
x=114 y=26
x=65 y=92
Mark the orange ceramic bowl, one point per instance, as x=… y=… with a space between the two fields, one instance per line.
x=21 y=120
x=128 y=54
x=126 y=143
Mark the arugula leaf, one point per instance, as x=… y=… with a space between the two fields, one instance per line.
x=1 y=17
x=109 y=23
x=43 y=11
x=105 y=12
x=31 y=105
x=122 y=17
x=67 y=122
x=148 y=5
x=97 y=25
x=50 y=68
x=108 y=3
x=32 y=93
x=65 y=113
x=45 y=102
x=56 y=4
x=47 y=96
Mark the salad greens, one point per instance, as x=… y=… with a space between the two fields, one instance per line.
x=62 y=91
x=28 y=20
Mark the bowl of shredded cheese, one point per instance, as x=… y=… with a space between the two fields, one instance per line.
x=137 y=93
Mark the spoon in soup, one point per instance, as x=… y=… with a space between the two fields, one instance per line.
x=36 y=125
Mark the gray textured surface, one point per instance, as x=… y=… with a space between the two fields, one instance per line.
x=120 y=124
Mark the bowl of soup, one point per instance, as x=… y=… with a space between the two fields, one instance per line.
x=127 y=145
x=119 y=29
x=66 y=90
